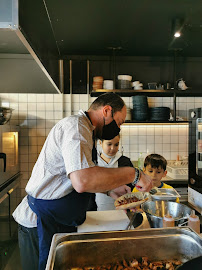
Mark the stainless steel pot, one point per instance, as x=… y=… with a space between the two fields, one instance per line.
x=156 y=210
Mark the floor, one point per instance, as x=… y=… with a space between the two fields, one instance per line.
x=14 y=260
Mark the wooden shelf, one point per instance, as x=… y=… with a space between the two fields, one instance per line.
x=149 y=92
x=147 y=122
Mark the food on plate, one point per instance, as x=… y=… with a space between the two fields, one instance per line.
x=143 y=264
x=131 y=200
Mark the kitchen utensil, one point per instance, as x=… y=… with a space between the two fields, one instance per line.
x=152 y=85
x=132 y=218
x=178 y=170
x=79 y=250
x=104 y=221
x=5 y=115
x=153 y=191
x=194 y=264
x=166 y=194
x=156 y=210
x=181 y=84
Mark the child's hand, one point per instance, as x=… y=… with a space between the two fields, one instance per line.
x=119 y=191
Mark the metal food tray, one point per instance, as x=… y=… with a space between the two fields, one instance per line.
x=167 y=194
x=76 y=250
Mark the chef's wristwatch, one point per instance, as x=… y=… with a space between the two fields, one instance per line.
x=137 y=176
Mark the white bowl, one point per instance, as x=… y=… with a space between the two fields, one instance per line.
x=125 y=77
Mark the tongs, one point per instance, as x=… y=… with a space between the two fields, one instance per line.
x=131 y=220
x=154 y=190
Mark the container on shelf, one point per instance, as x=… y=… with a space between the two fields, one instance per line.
x=152 y=85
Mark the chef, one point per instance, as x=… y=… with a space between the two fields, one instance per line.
x=65 y=176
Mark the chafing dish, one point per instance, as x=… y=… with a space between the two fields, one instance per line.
x=91 y=249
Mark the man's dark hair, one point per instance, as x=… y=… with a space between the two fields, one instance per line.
x=155 y=161
x=111 y=99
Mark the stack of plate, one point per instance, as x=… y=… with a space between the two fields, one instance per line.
x=123 y=84
x=124 y=81
x=97 y=82
x=160 y=114
x=140 y=108
x=108 y=84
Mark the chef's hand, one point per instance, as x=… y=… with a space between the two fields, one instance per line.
x=119 y=191
x=145 y=183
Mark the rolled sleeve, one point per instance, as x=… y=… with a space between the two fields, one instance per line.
x=76 y=144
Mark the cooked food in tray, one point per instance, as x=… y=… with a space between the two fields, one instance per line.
x=143 y=263
x=131 y=200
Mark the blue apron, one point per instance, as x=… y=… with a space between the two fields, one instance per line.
x=57 y=216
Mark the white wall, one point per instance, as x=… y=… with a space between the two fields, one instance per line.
x=37 y=114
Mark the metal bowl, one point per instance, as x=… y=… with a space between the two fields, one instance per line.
x=156 y=210
x=5 y=115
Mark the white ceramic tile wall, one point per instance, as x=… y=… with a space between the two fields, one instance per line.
x=37 y=114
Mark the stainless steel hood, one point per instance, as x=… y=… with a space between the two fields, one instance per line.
x=22 y=68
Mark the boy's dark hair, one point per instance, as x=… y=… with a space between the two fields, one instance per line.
x=155 y=161
x=111 y=99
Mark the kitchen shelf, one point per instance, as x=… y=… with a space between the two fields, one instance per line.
x=174 y=93
x=147 y=122
x=151 y=93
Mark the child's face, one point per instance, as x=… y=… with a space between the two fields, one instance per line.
x=156 y=174
x=111 y=147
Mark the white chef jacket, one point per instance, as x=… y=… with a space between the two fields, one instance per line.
x=68 y=148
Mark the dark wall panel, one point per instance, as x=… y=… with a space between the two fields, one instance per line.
x=36 y=27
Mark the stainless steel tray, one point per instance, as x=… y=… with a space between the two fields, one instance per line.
x=90 y=249
x=166 y=194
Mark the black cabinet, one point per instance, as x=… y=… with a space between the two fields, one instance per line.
x=75 y=76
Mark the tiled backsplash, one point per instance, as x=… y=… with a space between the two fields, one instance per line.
x=37 y=114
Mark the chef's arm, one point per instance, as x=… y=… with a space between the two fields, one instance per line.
x=100 y=179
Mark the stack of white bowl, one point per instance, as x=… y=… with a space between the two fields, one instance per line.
x=108 y=84
x=137 y=85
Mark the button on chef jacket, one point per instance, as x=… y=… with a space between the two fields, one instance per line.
x=68 y=148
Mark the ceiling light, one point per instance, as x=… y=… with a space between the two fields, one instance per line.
x=177 y=34
x=177 y=27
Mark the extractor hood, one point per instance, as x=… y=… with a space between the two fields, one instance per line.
x=22 y=68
